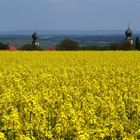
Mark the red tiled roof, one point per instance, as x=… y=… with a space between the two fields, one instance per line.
x=12 y=48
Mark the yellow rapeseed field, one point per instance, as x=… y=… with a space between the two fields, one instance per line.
x=70 y=95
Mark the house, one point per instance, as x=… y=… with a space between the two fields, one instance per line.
x=12 y=47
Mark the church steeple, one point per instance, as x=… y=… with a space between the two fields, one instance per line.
x=128 y=34
x=35 y=38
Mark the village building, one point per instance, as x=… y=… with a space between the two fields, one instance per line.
x=12 y=47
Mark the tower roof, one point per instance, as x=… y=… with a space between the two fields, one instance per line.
x=35 y=36
x=128 y=32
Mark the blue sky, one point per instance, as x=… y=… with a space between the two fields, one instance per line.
x=69 y=14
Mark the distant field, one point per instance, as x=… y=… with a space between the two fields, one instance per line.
x=70 y=95
x=50 y=41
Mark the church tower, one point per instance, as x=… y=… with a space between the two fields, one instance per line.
x=35 y=38
x=129 y=38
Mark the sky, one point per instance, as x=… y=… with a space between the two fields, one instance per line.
x=69 y=14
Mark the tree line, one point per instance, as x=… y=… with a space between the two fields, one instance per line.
x=69 y=44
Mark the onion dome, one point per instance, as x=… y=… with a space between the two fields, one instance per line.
x=128 y=32
x=35 y=36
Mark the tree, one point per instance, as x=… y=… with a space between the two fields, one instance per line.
x=121 y=46
x=115 y=46
x=68 y=44
x=3 y=46
x=137 y=43
x=126 y=46
x=30 y=47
